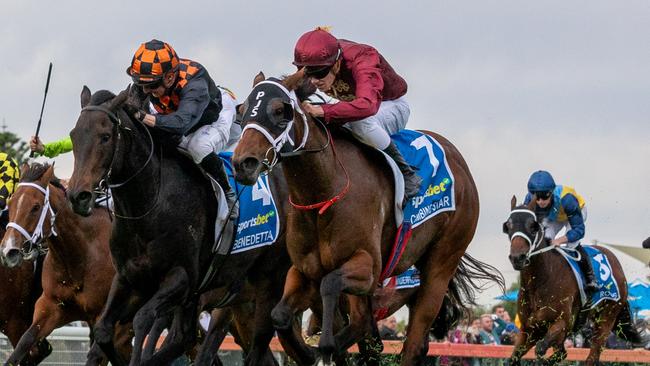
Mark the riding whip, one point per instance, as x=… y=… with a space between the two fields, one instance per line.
x=47 y=85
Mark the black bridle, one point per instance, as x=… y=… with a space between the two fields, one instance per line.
x=104 y=184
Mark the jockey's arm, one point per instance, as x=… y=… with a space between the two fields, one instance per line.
x=56 y=148
x=193 y=100
x=368 y=90
x=574 y=214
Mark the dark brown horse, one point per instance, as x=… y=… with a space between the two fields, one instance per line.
x=344 y=249
x=20 y=287
x=549 y=301
x=163 y=235
x=77 y=270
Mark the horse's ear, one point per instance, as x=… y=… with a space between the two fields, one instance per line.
x=505 y=227
x=119 y=99
x=49 y=173
x=24 y=168
x=513 y=202
x=258 y=78
x=85 y=96
x=646 y=243
x=533 y=203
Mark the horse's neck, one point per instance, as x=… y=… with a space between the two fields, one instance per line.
x=140 y=192
x=69 y=248
x=540 y=273
x=313 y=177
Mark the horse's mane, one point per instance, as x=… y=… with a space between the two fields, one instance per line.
x=36 y=171
x=101 y=97
x=300 y=84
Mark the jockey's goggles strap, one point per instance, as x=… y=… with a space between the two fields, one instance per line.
x=38 y=231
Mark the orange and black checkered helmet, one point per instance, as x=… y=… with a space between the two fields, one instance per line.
x=151 y=61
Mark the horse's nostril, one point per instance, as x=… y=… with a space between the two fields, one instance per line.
x=84 y=196
x=250 y=163
x=13 y=258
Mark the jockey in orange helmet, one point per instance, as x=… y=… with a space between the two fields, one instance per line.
x=370 y=93
x=185 y=101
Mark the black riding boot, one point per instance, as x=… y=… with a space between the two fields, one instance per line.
x=585 y=266
x=412 y=181
x=213 y=165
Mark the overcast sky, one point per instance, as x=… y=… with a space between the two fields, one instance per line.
x=516 y=85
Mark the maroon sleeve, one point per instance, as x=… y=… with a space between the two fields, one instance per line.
x=369 y=85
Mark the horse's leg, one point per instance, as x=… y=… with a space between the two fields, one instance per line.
x=158 y=327
x=15 y=328
x=603 y=324
x=181 y=336
x=120 y=303
x=297 y=297
x=263 y=330
x=172 y=290
x=559 y=354
x=555 y=336
x=435 y=278
x=48 y=315
x=219 y=320
x=371 y=347
x=38 y=353
x=353 y=277
x=523 y=343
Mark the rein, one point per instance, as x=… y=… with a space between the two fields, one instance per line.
x=104 y=184
x=279 y=142
x=37 y=238
x=324 y=205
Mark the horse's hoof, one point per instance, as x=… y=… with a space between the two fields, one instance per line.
x=102 y=335
x=323 y=363
x=281 y=318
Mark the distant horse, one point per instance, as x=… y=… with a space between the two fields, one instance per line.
x=344 y=247
x=163 y=234
x=20 y=287
x=549 y=300
x=77 y=270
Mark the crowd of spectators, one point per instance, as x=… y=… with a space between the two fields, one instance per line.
x=498 y=328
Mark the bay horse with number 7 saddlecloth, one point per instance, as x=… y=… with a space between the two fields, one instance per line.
x=549 y=302
x=343 y=248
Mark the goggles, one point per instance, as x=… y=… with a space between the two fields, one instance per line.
x=542 y=195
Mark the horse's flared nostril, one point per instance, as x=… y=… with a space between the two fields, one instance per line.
x=81 y=202
x=246 y=170
x=12 y=258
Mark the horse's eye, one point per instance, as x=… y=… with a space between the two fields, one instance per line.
x=36 y=208
x=279 y=111
x=103 y=138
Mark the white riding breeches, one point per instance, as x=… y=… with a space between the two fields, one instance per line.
x=375 y=130
x=215 y=137
x=553 y=228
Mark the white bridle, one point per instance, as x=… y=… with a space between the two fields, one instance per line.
x=283 y=138
x=47 y=207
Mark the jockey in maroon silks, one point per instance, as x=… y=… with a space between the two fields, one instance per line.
x=368 y=94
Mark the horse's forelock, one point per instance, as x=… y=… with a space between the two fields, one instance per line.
x=291 y=82
x=35 y=172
